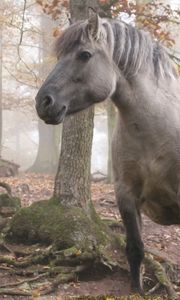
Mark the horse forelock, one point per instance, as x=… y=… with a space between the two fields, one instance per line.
x=70 y=38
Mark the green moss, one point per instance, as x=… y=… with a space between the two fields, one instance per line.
x=5 y=200
x=120 y=241
x=49 y=222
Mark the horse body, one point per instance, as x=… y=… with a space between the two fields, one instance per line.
x=146 y=150
x=146 y=159
x=99 y=59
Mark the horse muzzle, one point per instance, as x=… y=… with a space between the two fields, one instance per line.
x=49 y=110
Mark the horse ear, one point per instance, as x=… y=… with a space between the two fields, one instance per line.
x=93 y=23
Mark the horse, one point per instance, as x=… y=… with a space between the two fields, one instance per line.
x=98 y=59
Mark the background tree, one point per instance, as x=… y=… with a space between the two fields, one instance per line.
x=27 y=48
x=49 y=136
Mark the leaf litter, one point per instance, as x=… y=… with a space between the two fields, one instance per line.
x=31 y=187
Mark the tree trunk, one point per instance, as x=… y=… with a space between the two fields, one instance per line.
x=48 y=150
x=49 y=136
x=79 y=8
x=111 y=116
x=1 y=89
x=72 y=183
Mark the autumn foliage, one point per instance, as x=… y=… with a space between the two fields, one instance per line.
x=154 y=16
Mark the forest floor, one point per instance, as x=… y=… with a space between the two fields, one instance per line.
x=164 y=239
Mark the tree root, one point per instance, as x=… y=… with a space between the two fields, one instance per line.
x=153 y=261
x=161 y=276
x=14 y=292
x=154 y=289
x=11 y=284
x=62 y=266
x=42 y=290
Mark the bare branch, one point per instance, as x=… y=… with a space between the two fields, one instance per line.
x=22 y=24
x=19 y=46
x=18 y=80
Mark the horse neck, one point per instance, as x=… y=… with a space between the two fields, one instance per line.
x=133 y=49
x=139 y=60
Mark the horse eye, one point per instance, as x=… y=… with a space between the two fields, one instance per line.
x=85 y=56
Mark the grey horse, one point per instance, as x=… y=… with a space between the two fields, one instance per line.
x=99 y=59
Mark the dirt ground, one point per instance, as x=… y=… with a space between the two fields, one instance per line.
x=166 y=240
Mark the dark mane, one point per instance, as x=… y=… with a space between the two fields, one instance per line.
x=135 y=49
x=70 y=38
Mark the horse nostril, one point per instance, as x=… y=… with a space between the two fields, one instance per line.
x=48 y=101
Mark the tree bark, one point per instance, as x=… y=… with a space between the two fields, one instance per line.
x=111 y=116
x=79 y=8
x=49 y=136
x=1 y=90
x=72 y=183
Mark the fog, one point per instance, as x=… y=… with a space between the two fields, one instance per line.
x=26 y=60
x=21 y=139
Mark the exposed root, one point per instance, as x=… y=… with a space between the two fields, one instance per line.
x=7 y=247
x=63 y=266
x=61 y=278
x=153 y=261
x=14 y=292
x=30 y=271
x=154 y=289
x=6 y=268
x=11 y=284
x=161 y=276
x=44 y=289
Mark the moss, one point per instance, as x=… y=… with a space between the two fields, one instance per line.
x=120 y=241
x=49 y=222
x=6 y=200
